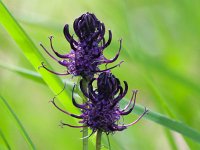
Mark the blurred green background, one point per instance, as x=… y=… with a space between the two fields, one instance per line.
x=161 y=50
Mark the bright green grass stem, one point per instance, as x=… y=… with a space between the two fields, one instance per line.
x=85 y=129
x=98 y=140
x=84 y=99
x=18 y=123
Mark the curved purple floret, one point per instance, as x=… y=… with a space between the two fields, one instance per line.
x=87 y=52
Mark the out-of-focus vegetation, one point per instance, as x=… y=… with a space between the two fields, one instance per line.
x=160 y=49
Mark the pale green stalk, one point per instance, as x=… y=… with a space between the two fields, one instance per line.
x=98 y=140
x=84 y=99
x=85 y=129
x=18 y=123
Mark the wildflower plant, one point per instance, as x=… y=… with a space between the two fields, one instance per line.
x=31 y=52
x=101 y=111
x=87 y=53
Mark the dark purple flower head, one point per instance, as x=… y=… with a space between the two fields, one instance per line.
x=88 y=26
x=107 y=85
x=102 y=111
x=87 y=52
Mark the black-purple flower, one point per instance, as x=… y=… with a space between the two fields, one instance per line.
x=102 y=111
x=87 y=52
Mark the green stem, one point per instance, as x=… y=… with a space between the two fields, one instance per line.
x=85 y=129
x=98 y=140
x=85 y=140
x=109 y=146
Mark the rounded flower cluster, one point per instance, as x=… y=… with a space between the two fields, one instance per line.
x=86 y=53
x=102 y=111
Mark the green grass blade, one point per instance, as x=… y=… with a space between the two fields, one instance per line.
x=31 y=52
x=171 y=139
x=160 y=119
x=32 y=75
x=169 y=123
x=18 y=123
x=24 y=72
x=4 y=139
x=163 y=107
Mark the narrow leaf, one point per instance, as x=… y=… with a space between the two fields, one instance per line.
x=170 y=123
x=32 y=53
x=18 y=123
x=4 y=139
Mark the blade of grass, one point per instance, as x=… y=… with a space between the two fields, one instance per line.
x=32 y=75
x=169 y=123
x=163 y=107
x=4 y=139
x=34 y=56
x=24 y=72
x=18 y=123
x=31 y=52
x=171 y=139
x=162 y=120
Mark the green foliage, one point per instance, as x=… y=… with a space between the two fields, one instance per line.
x=160 y=49
x=4 y=139
x=18 y=124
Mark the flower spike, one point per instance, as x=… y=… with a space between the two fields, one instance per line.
x=87 y=51
x=102 y=111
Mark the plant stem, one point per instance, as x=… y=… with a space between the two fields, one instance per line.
x=98 y=140
x=85 y=129
x=85 y=140
x=109 y=146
